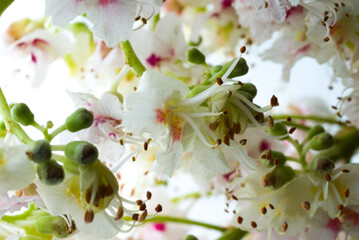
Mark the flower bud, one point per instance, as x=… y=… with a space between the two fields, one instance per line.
x=50 y=172
x=279 y=129
x=2 y=129
x=54 y=225
x=240 y=69
x=279 y=176
x=325 y=165
x=249 y=88
x=81 y=152
x=22 y=114
x=321 y=141
x=274 y=157
x=80 y=119
x=190 y=237
x=71 y=166
x=315 y=131
x=39 y=151
x=195 y=56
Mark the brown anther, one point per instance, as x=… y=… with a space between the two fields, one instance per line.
x=347 y=15
x=121 y=141
x=144 y=20
x=345 y=171
x=133 y=158
x=239 y=220
x=340 y=207
x=234 y=197
x=146 y=173
x=274 y=101
x=158 y=208
x=276 y=161
x=137 y=18
x=243 y=142
x=349 y=99
x=135 y=216
x=326 y=13
x=291 y=130
x=119 y=213
x=143 y=216
x=347 y=193
x=230 y=94
x=326 y=18
x=336 y=10
x=339 y=115
x=139 y=202
x=327 y=177
x=305 y=205
x=118 y=176
x=323 y=23
x=270 y=122
x=253 y=224
x=219 y=141
x=148 y=195
x=219 y=81
x=227 y=204
x=330 y=87
x=348 y=121
x=225 y=112
x=226 y=140
x=289 y=119
x=145 y=146
x=266 y=4
x=243 y=49
x=343 y=4
x=89 y=216
x=240 y=83
x=271 y=206
x=334 y=107
x=284 y=226
x=142 y=207
x=326 y=39
x=226 y=211
x=263 y=210
x=134 y=88
x=342 y=218
x=269 y=154
x=336 y=4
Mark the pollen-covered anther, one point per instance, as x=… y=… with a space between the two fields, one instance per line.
x=230 y=94
x=219 y=81
x=326 y=39
x=158 y=208
x=266 y=4
x=345 y=171
x=144 y=20
x=137 y=18
x=271 y=206
x=139 y=202
x=240 y=83
x=143 y=216
x=234 y=197
x=142 y=207
x=270 y=122
x=120 y=213
x=133 y=159
x=347 y=193
x=274 y=101
x=239 y=220
x=145 y=146
x=305 y=205
x=289 y=119
x=89 y=216
x=121 y=142
x=135 y=217
x=327 y=177
x=291 y=130
x=243 y=49
x=219 y=141
x=284 y=226
x=243 y=142
x=253 y=224
x=148 y=195
x=225 y=112
x=263 y=210
x=340 y=207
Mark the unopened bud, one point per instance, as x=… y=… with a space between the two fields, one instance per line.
x=22 y=114
x=54 y=225
x=240 y=69
x=190 y=237
x=274 y=157
x=81 y=152
x=279 y=176
x=80 y=119
x=39 y=151
x=279 y=129
x=50 y=172
x=321 y=141
x=195 y=56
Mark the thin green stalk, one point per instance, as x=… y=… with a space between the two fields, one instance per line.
x=12 y=126
x=58 y=147
x=4 y=4
x=315 y=118
x=299 y=149
x=184 y=221
x=132 y=58
x=56 y=132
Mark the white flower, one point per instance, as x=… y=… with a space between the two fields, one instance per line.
x=112 y=20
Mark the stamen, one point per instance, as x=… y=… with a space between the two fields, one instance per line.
x=270 y=122
x=143 y=216
x=124 y=159
x=158 y=208
x=274 y=101
x=305 y=205
x=250 y=104
x=89 y=216
x=253 y=224
x=119 y=213
x=327 y=177
x=148 y=195
x=239 y=220
x=347 y=193
x=264 y=210
x=271 y=206
x=284 y=226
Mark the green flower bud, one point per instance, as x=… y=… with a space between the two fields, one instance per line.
x=196 y=90
x=2 y=129
x=39 y=151
x=274 y=157
x=80 y=119
x=321 y=141
x=49 y=124
x=71 y=166
x=325 y=165
x=216 y=69
x=22 y=114
x=240 y=69
x=195 y=56
x=50 y=172
x=81 y=152
x=279 y=129
x=54 y=225
x=315 y=131
x=249 y=88
x=279 y=176
x=190 y=237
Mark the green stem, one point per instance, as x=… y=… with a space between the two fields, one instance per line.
x=299 y=149
x=58 y=157
x=293 y=159
x=185 y=221
x=56 y=132
x=132 y=58
x=58 y=147
x=315 y=118
x=194 y=195
x=12 y=126
x=4 y=4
